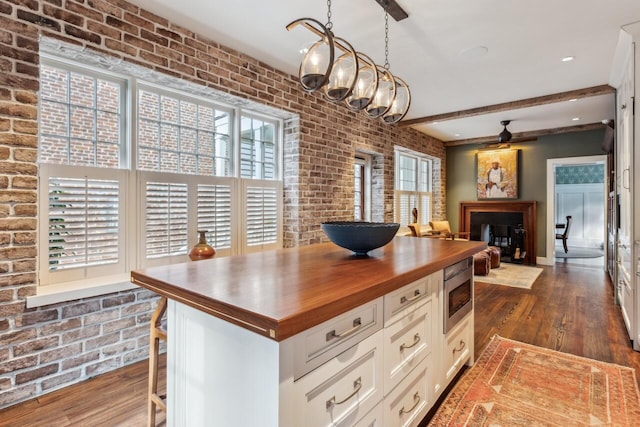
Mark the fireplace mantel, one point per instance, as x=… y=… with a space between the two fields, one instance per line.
x=529 y=220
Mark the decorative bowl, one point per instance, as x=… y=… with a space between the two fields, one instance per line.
x=360 y=237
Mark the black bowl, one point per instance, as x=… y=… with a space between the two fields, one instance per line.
x=360 y=237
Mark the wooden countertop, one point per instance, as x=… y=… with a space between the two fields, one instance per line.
x=281 y=293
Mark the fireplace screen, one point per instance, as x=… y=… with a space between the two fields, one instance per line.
x=498 y=174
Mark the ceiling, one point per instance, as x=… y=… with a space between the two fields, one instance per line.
x=469 y=63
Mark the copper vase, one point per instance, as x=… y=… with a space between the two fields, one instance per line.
x=202 y=250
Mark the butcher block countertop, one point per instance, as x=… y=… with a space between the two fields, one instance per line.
x=283 y=292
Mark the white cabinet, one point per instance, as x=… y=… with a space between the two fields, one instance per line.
x=626 y=78
x=373 y=366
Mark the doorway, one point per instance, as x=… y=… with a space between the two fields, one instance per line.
x=576 y=187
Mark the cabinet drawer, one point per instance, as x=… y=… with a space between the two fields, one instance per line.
x=458 y=347
x=317 y=345
x=410 y=401
x=375 y=418
x=397 y=301
x=344 y=389
x=406 y=343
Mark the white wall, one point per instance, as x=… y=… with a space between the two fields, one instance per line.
x=585 y=204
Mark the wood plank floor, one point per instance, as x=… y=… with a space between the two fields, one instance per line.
x=570 y=308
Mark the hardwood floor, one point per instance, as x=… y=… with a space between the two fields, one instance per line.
x=570 y=308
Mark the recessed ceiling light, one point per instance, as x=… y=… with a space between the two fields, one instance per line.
x=573 y=100
x=457 y=134
x=575 y=119
x=568 y=58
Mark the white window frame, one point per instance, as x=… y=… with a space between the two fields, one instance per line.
x=421 y=197
x=365 y=161
x=73 y=285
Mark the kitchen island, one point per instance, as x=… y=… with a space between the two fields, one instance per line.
x=260 y=339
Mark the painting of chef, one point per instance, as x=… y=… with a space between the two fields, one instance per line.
x=498 y=174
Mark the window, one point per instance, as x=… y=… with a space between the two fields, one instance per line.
x=120 y=193
x=362 y=187
x=413 y=173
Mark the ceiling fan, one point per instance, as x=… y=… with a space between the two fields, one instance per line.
x=505 y=138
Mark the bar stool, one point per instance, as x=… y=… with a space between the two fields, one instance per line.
x=158 y=332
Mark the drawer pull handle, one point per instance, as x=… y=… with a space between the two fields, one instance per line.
x=416 y=399
x=461 y=347
x=416 y=340
x=357 y=385
x=416 y=295
x=357 y=324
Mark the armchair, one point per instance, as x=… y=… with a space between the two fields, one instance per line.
x=565 y=233
x=444 y=229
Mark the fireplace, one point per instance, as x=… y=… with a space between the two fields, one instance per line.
x=515 y=219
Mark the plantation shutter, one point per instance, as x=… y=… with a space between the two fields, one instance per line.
x=262 y=215
x=214 y=214
x=166 y=219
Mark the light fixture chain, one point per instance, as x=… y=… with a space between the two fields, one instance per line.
x=386 y=39
x=329 y=23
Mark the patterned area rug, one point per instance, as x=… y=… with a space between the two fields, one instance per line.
x=517 y=384
x=516 y=275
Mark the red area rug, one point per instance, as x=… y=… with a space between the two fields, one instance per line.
x=517 y=384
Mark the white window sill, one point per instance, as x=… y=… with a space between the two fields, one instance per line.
x=62 y=292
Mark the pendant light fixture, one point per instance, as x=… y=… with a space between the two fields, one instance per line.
x=332 y=64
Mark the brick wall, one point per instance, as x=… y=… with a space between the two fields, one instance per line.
x=50 y=347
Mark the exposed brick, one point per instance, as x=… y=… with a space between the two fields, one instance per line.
x=101 y=316
x=82 y=34
x=34 y=346
x=34 y=374
x=136 y=308
x=25 y=210
x=118 y=325
x=24 y=238
x=136 y=355
x=18 y=224
x=136 y=20
x=119 y=348
x=5 y=384
x=5 y=238
x=30 y=182
x=63 y=15
x=18 y=168
x=119 y=299
x=4 y=182
x=4 y=213
x=150 y=57
x=17 y=139
x=105 y=7
x=26 y=97
x=25 y=155
x=4 y=325
x=79 y=360
x=80 y=309
x=6 y=295
x=5 y=125
x=17 y=394
x=182 y=48
x=37 y=316
x=145 y=294
x=18 y=363
x=104 y=366
x=138 y=42
x=6 y=8
x=25 y=126
x=79 y=9
x=138 y=331
x=121 y=25
x=104 y=30
x=58 y=380
x=27 y=43
x=24 y=266
x=101 y=341
x=5 y=94
x=40 y=20
x=61 y=326
x=27 y=291
x=61 y=353
x=79 y=334
x=18 y=196
x=22 y=111
x=31 y=4
x=120 y=47
x=154 y=18
x=7 y=310
x=17 y=253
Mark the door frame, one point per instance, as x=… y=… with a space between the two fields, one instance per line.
x=549 y=258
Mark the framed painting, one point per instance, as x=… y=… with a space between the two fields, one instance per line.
x=498 y=174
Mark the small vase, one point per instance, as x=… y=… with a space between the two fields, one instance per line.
x=202 y=250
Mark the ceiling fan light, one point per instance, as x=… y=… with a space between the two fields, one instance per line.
x=505 y=135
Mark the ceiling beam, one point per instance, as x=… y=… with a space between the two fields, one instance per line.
x=394 y=9
x=513 y=105
x=526 y=136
